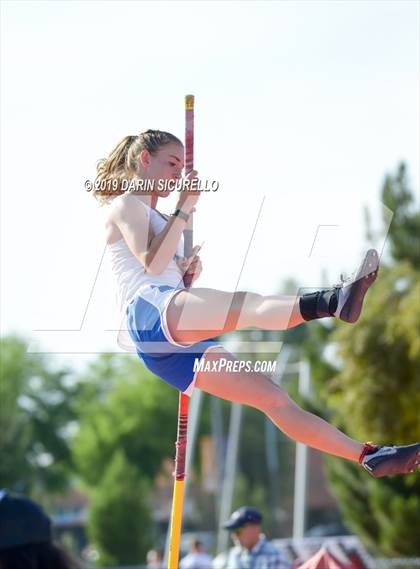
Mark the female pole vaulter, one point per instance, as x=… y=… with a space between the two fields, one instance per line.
x=170 y=326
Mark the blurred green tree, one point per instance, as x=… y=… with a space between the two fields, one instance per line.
x=120 y=522
x=36 y=417
x=377 y=391
x=404 y=232
x=376 y=396
x=138 y=415
x=372 y=388
x=128 y=421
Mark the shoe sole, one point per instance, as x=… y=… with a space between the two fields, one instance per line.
x=364 y=279
x=399 y=465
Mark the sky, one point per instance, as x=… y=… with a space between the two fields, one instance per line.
x=301 y=110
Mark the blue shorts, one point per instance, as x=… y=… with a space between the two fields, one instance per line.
x=147 y=326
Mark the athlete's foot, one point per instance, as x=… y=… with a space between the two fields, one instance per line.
x=388 y=461
x=351 y=292
x=344 y=301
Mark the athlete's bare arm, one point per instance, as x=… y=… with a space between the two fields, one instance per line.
x=153 y=251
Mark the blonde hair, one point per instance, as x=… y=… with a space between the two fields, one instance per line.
x=122 y=163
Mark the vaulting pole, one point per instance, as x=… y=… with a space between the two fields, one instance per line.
x=181 y=443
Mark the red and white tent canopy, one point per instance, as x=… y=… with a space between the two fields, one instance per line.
x=324 y=559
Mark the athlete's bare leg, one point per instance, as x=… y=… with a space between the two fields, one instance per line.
x=257 y=390
x=200 y=313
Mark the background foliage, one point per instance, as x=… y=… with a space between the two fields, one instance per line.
x=372 y=388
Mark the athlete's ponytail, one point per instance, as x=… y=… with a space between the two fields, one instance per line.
x=122 y=163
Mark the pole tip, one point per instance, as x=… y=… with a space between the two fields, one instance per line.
x=189 y=101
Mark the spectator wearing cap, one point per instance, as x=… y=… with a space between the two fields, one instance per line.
x=26 y=538
x=252 y=549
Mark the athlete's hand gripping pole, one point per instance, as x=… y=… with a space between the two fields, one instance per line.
x=181 y=443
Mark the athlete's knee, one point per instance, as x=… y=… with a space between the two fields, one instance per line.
x=274 y=402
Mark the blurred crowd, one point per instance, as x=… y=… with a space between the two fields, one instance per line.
x=26 y=542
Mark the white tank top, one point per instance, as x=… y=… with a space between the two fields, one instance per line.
x=130 y=274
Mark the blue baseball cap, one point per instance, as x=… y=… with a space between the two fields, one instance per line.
x=22 y=522
x=244 y=515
